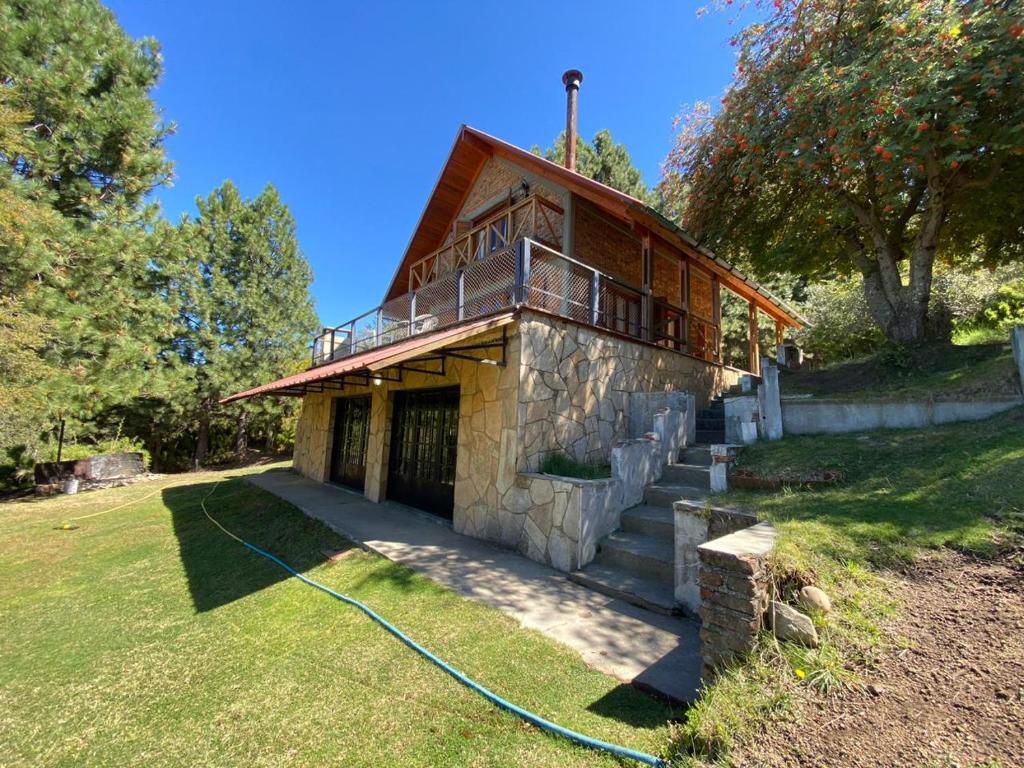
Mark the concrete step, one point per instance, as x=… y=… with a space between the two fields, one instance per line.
x=664 y=494
x=704 y=422
x=644 y=556
x=711 y=437
x=622 y=584
x=699 y=455
x=687 y=474
x=658 y=522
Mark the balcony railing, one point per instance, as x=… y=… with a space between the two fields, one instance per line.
x=532 y=217
x=526 y=273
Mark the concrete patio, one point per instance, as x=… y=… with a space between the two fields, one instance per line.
x=654 y=652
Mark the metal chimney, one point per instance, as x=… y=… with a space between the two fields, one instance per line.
x=572 y=79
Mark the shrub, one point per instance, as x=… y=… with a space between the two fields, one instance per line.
x=840 y=327
x=1006 y=308
x=566 y=466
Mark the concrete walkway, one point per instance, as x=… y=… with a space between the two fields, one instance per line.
x=659 y=653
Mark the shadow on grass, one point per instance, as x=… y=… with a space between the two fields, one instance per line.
x=636 y=708
x=219 y=569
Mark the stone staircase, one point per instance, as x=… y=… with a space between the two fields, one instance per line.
x=637 y=562
x=711 y=422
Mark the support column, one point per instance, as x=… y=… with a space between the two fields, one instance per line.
x=780 y=339
x=752 y=330
x=646 y=302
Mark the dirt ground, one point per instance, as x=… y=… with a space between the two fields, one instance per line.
x=953 y=698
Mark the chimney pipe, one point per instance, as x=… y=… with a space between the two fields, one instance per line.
x=572 y=79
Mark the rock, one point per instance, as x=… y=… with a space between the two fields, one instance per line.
x=814 y=599
x=876 y=690
x=789 y=624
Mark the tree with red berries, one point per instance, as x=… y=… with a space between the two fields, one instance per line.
x=873 y=136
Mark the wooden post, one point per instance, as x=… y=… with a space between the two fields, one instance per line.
x=646 y=306
x=755 y=352
x=716 y=309
x=780 y=338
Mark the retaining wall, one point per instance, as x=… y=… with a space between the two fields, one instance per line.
x=834 y=416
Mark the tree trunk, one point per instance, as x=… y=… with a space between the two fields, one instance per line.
x=202 y=439
x=242 y=435
x=268 y=444
x=900 y=308
x=900 y=312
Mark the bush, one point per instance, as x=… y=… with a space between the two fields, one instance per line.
x=1006 y=309
x=565 y=466
x=968 y=305
x=841 y=328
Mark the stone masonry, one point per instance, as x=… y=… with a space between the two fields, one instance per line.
x=735 y=586
x=576 y=381
x=565 y=388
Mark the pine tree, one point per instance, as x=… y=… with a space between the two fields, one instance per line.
x=605 y=161
x=81 y=144
x=246 y=314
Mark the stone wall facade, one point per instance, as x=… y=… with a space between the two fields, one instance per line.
x=564 y=388
x=576 y=381
x=735 y=587
x=486 y=452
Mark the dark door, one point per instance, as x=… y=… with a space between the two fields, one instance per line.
x=348 y=451
x=424 y=438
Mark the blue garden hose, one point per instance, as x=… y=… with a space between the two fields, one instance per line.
x=530 y=717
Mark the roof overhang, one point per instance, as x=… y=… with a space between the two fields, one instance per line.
x=434 y=345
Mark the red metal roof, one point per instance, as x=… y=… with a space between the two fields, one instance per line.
x=382 y=357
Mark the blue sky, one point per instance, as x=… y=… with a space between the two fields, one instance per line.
x=350 y=109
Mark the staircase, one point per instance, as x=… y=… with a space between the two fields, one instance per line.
x=711 y=422
x=637 y=562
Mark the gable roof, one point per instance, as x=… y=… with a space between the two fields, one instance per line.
x=471 y=150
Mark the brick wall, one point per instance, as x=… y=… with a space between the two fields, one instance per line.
x=607 y=246
x=735 y=584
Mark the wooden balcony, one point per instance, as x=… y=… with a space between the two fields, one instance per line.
x=533 y=217
x=528 y=273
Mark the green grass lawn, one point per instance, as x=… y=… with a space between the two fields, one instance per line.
x=906 y=492
x=147 y=637
x=936 y=370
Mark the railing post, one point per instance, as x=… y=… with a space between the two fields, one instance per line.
x=330 y=355
x=352 y=338
x=595 y=297
x=461 y=310
x=380 y=327
x=525 y=287
x=412 y=314
x=520 y=289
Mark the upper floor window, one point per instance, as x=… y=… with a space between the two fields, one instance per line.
x=491 y=238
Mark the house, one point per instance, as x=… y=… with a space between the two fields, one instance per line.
x=534 y=311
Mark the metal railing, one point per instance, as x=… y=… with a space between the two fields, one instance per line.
x=525 y=273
